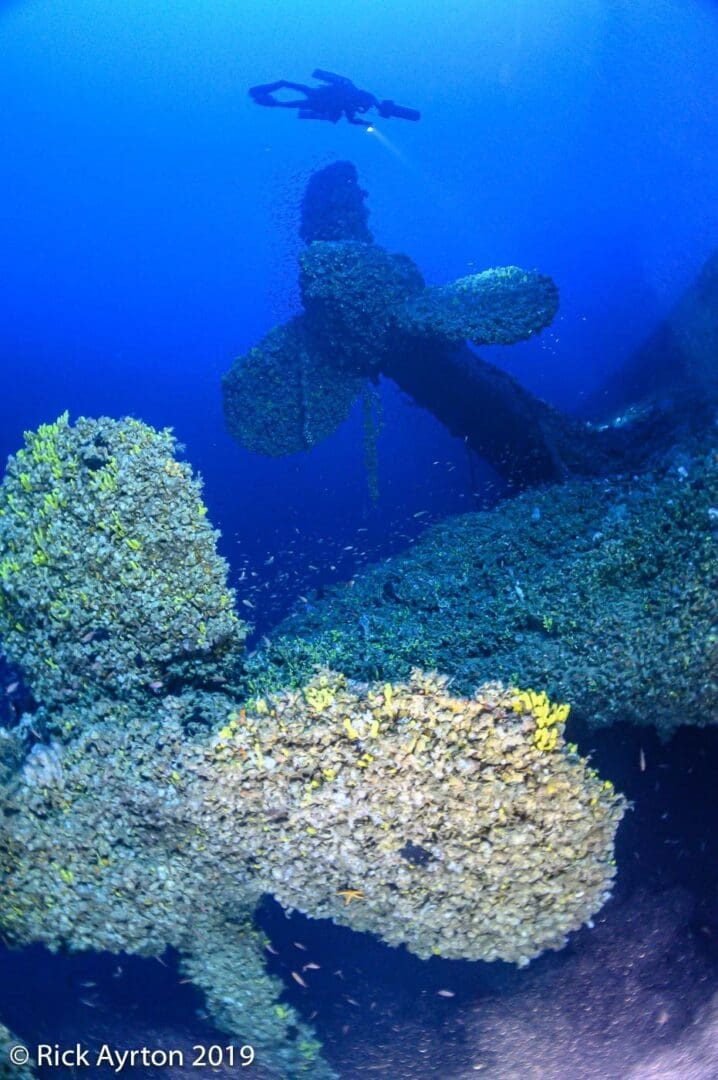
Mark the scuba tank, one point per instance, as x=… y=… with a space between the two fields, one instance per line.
x=390 y=108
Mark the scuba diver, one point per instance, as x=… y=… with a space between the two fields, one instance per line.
x=339 y=97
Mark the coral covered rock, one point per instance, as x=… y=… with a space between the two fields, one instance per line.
x=109 y=578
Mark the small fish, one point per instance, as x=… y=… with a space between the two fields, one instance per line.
x=352 y=1001
x=420 y=513
x=90 y=1004
x=298 y=979
x=271 y=949
x=12 y=687
x=87 y=637
x=311 y=967
x=156 y=685
x=446 y=993
x=88 y=984
x=642 y=760
x=248 y=603
x=299 y=945
x=269 y=561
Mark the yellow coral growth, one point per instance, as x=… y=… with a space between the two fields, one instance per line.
x=319 y=695
x=546 y=714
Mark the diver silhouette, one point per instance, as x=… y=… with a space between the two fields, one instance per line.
x=339 y=97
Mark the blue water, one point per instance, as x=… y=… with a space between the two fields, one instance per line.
x=149 y=213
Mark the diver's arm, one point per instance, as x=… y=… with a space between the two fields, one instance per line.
x=329 y=77
x=388 y=109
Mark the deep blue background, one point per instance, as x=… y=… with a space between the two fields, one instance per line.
x=148 y=218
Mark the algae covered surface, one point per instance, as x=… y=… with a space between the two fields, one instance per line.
x=284 y=396
x=604 y=593
x=460 y=828
x=110 y=582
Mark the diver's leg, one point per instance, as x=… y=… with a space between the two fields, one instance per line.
x=262 y=95
x=281 y=84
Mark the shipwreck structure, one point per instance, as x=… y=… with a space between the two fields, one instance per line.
x=368 y=313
